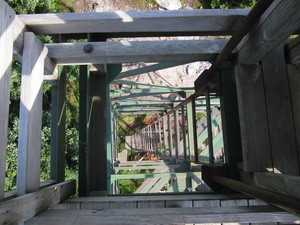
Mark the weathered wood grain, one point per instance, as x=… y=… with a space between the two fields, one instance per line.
x=22 y=208
x=293 y=51
x=276 y=25
x=253 y=118
x=164 y=216
x=285 y=184
x=6 y=46
x=294 y=83
x=136 y=51
x=29 y=141
x=139 y=23
x=280 y=115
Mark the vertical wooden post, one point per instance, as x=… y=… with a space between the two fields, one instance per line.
x=29 y=155
x=170 y=135
x=294 y=81
x=177 y=133
x=279 y=111
x=253 y=118
x=6 y=45
x=196 y=154
x=209 y=127
x=191 y=131
x=159 y=135
x=96 y=133
x=165 y=134
x=184 y=131
x=230 y=120
x=83 y=188
x=58 y=128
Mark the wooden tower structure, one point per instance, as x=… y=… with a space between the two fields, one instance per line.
x=255 y=75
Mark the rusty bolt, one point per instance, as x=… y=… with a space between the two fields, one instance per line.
x=88 y=48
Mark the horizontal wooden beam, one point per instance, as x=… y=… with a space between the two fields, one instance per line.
x=284 y=184
x=136 y=51
x=240 y=214
x=18 y=29
x=139 y=23
x=279 y=22
x=20 y=209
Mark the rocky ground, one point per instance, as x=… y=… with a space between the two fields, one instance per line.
x=180 y=76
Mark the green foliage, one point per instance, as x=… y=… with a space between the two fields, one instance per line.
x=227 y=4
x=230 y=4
x=30 y=6
x=129 y=186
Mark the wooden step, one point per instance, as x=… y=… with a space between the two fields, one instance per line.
x=254 y=214
x=159 y=201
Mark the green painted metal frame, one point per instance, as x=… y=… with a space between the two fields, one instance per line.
x=154 y=175
x=150 y=68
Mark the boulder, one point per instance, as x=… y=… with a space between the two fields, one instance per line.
x=170 y=4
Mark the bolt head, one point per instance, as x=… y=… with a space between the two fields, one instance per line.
x=88 y=48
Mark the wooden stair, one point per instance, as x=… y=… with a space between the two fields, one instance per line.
x=164 y=209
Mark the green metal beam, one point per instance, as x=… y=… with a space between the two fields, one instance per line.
x=133 y=83
x=147 y=69
x=132 y=96
x=154 y=175
x=139 y=167
x=145 y=90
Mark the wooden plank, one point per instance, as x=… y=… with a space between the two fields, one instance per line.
x=294 y=83
x=58 y=128
x=179 y=204
x=253 y=118
x=135 y=23
x=280 y=115
x=284 y=184
x=20 y=209
x=159 y=197
x=279 y=22
x=29 y=141
x=151 y=204
x=206 y=203
x=6 y=46
x=162 y=216
x=136 y=51
x=293 y=51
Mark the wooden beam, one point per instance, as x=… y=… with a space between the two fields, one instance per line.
x=279 y=22
x=293 y=51
x=20 y=209
x=279 y=112
x=17 y=29
x=280 y=183
x=6 y=46
x=294 y=83
x=253 y=119
x=162 y=216
x=137 y=23
x=136 y=51
x=58 y=128
x=30 y=127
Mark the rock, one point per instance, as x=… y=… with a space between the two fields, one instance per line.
x=170 y=4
